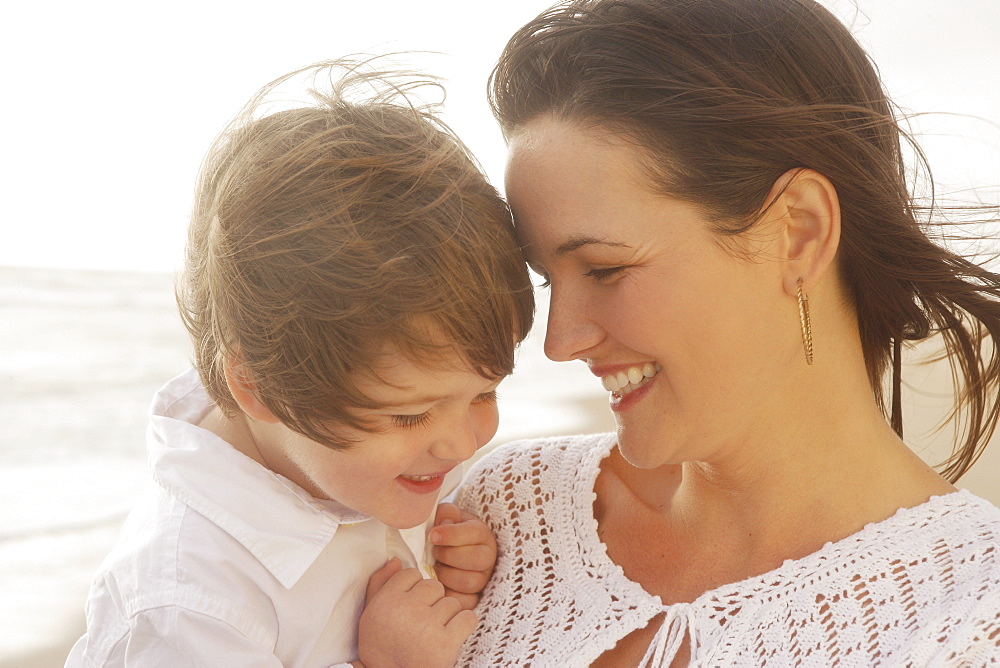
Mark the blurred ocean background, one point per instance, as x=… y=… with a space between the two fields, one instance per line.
x=110 y=106
x=84 y=351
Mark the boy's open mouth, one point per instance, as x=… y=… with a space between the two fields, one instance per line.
x=419 y=478
x=422 y=484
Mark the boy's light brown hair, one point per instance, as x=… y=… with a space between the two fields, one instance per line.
x=323 y=233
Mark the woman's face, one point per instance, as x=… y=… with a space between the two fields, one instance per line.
x=684 y=332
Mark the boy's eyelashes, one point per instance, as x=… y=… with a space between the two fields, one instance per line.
x=412 y=421
x=485 y=396
x=409 y=421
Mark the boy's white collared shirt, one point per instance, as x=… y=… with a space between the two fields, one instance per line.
x=225 y=563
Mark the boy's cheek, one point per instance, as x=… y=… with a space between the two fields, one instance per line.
x=489 y=429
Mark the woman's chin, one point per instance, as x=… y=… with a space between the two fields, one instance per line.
x=640 y=452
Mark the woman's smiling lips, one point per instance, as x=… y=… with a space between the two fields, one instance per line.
x=624 y=381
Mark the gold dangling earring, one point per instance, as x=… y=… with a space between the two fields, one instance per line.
x=807 y=331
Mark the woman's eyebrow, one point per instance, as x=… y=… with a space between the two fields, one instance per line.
x=576 y=242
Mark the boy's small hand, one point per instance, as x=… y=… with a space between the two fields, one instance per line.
x=409 y=621
x=466 y=553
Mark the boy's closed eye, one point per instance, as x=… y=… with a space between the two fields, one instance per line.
x=485 y=397
x=410 y=421
x=418 y=419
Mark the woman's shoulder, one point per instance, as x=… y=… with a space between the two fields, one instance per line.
x=551 y=454
x=962 y=552
x=524 y=471
x=959 y=519
x=946 y=551
x=953 y=537
x=966 y=530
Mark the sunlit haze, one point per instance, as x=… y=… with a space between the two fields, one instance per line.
x=110 y=106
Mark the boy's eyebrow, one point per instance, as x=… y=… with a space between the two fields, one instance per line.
x=576 y=242
x=424 y=399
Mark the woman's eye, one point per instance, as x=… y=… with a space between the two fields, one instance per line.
x=410 y=420
x=606 y=273
x=486 y=397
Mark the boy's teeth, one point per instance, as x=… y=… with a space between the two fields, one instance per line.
x=624 y=382
x=419 y=478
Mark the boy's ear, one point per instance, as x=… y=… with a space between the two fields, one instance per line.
x=807 y=211
x=241 y=386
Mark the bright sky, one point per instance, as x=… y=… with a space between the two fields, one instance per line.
x=110 y=106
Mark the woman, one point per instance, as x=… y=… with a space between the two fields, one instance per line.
x=714 y=192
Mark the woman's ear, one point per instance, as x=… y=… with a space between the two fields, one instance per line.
x=241 y=386
x=806 y=209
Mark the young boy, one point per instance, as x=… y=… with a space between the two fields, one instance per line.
x=354 y=293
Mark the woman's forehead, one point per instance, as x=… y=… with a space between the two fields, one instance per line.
x=554 y=166
x=559 y=175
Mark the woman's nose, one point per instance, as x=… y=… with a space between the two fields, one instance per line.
x=570 y=330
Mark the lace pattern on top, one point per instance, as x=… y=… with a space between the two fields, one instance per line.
x=919 y=588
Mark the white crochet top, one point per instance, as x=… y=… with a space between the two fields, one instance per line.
x=921 y=588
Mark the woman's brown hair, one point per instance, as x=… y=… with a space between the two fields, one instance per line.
x=325 y=232
x=725 y=96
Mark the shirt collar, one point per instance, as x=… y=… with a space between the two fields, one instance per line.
x=280 y=523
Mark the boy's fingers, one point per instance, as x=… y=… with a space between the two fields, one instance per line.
x=458 y=580
x=447 y=513
x=463 y=533
x=446 y=608
x=428 y=591
x=467 y=557
x=381 y=576
x=469 y=516
x=405 y=580
x=467 y=601
x=463 y=624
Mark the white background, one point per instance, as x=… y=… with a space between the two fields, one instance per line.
x=109 y=106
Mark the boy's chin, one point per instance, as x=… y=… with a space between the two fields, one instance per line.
x=403 y=523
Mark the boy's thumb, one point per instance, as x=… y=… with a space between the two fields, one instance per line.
x=447 y=513
x=381 y=576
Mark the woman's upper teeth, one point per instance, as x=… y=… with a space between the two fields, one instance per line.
x=630 y=378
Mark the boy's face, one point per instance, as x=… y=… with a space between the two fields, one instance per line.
x=435 y=418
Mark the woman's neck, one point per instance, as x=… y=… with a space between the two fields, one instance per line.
x=814 y=475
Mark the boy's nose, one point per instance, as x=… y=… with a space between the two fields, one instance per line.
x=457 y=443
